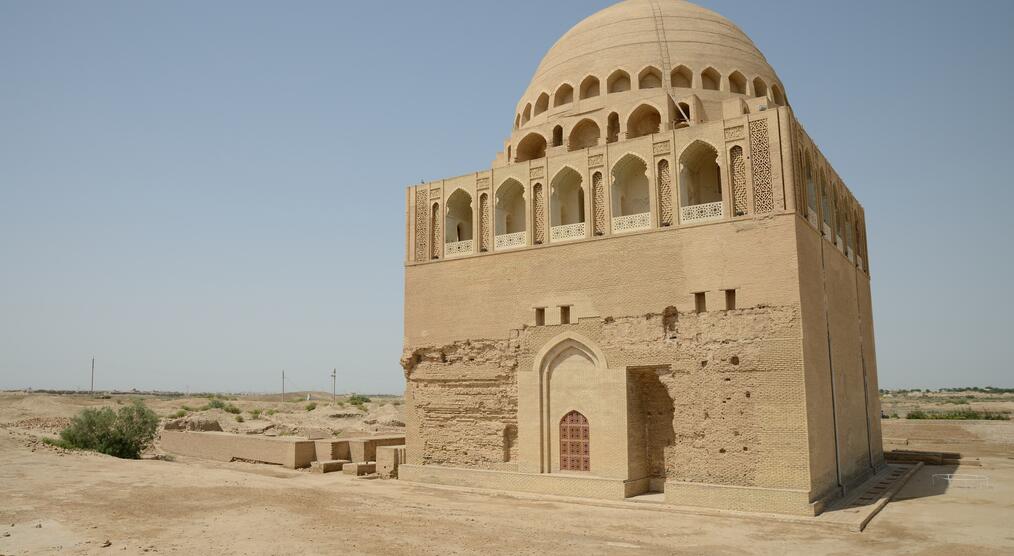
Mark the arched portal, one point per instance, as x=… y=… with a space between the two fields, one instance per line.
x=630 y=195
x=566 y=205
x=575 y=443
x=458 y=223
x=700 y=183
x=509 y=215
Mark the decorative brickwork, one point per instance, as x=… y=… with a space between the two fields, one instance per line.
x=539 y=214
x=661 y=147
x=664 y=193
x=760 y=158
x=599 y=203
x=421 y=216
x=734 y=133
x=435 y=232
x=484 y=222
x=740 y=202
x=595 y=160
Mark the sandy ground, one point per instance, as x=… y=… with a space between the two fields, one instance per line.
x=56 y=502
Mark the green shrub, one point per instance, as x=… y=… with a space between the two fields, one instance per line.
x=181 y=413
x=239 y=418
x=255 y=413
x=229 y=408
x=311 y=406
x=961 y=415
x=124 y=434
x=185 y=408
x=271 y=411
x=356 y=399
x=215 y=404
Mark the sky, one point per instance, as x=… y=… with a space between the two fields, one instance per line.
x=202 y=194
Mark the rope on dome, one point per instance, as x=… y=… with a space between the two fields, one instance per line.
x=663 y=55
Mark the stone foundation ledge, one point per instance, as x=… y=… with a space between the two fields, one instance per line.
x=687 y=495
x=742 y=498
x=537 y=483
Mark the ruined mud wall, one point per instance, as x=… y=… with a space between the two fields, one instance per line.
x=461 y=404
x=714 y=398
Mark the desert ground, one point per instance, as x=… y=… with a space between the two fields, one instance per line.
x=57 y=501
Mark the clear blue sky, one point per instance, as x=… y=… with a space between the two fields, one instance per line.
x=201 y=194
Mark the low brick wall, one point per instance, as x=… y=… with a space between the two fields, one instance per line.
x=365 y=449
x=290 y=452
x=388 y=460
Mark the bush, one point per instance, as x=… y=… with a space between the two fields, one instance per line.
x=124 y=434
x=961 y=415
x=239 y=418
x=185 y=407
x=255 y=413
x=356 y=399
x=311 y=406
x=181 y=413
x=271 y=411
x=229 y=408
x=215 y=404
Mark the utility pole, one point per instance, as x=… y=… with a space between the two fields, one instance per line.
x=93 y=377
x=283 y=385
x=333 y=375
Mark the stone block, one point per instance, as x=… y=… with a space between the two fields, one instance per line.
x=328 y=466
x=357 y=469
x=388 y=460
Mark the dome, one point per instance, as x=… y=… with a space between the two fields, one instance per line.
x=639 y=44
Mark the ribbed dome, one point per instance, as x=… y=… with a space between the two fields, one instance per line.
x=628 y=36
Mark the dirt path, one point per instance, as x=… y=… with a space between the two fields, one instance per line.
x=192 y=506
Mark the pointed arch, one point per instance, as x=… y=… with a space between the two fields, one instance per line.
x=541 y=104
x=558 y=136
x=526 y=114
x=612 y=127
x=630 y=189
x=560 y=344
x=566 y=199
x=585 y=134
x=564 y=95
x=760 y=89
x=509 y=207
x=589 y=87
x=711 y=79
x=644 y=120
x=649 y=78
x=533 y=146
x=699 y=175
x=458 y=217
x=681 y=77
x=778 y=95
x=737 y=83
x=618 y=82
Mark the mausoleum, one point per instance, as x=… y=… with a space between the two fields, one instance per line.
x=659 y=285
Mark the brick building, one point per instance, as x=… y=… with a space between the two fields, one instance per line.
x=660 y=285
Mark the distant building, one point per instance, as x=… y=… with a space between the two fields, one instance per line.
x=661 y=285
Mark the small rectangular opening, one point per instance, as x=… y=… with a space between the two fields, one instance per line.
x=540 y=316
x=730 y=299
x=700 y=305
x=565 y=314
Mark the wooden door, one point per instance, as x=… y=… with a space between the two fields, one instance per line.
x=574 y=443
